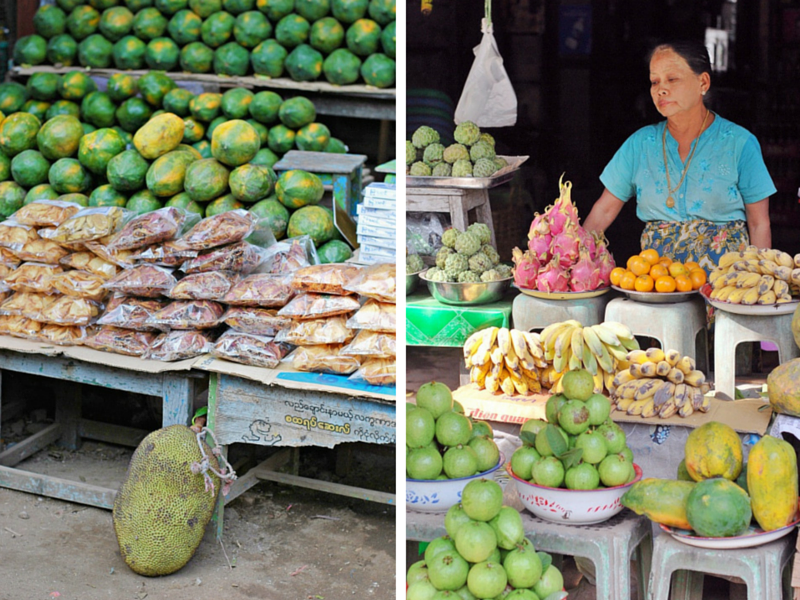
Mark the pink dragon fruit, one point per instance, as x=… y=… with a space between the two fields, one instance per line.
x=539 y=226
x=539 y=246
x=526 y=268
x=566 y=245
x=605 y=263
x=585 y=274
x=586 y=240
x=553 y=277
x=562 y=212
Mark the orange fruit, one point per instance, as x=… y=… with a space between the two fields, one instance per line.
x=683 y=283
x=639 y=266
x=658 y=270
x=676 y=269
x=691 y=265
x=665 y=260
x=698 y=277
x=644 y=283
x=631 y=259
x=628 y=281
x=650 y=255
x=616 y=274
x=665 y=284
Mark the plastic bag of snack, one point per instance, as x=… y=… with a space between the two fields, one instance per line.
x=378 y=281
x=377 y=371
x=46 y=213
x=188 y=314
x=5 y=271
x=68 y=310
x=324 y=279
x=332 y=330
x=241 y=257
x=317 y=306
x=62 y=335
x=249 y=349
x=14 y=236
x=130 y=313
x=19 y=326
x=33 y=277
x=4 y=296
x=286 y=256
x=150 y=228
x=26 y=304
x=326 y=358
x=81 y=284
x=8 y=258
x=261 y=289
x=224 y=228
x=165 y=255
x=147 y=281
x=375 y=316
x=258 y=321
x=372 y=344
x=91 y=224
x=121 y=341
x=91 y=263
x=43 y=251
x=204 y=286
x=179 y=345
x=121 y=258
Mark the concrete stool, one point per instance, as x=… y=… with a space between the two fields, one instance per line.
x=762 y=568
x=529 y=313
x=675 y=326
x=732 y=329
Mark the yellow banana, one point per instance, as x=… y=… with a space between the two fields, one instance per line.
x=686 y=365
x=783 y=298
x=784 y=259
x=473 y=343
x=561 y=361
x=606 y=334
x=483 y=353
x=736 y=295
x=662 y=368
x=630 y=343
x=518 y=342
x=550 y=332
x=599 y=382
x=664 y=394
x=507 y=385
x=492 y=383
x=648 y=369
x=675 y=375
x=765 y=283
x=767 y=266
x=534 y=385
x=589 y=360
x=618 y=353
x=687 y=410
x=753 y=266
x=715 y=276
x=747 y=280
x=590 y=339
x=497 y=356
x=667 y=410
x=672 y=357
x=604 y=359
x=481 y=357
x=535 y=348
x=608 y=381
x=482 y=372
x=623 y=332
x=623 y=404
x=637 y=357
x=722 y=294
x=627 y=390
x=655 y=355
x=575 y=362
x=728 y=258
x=635 y=369
x=739 y=265
x=623 y=376
x=649 y=409
x=648 y=388
x=783 y=273
x=730 y=278
x=503 y=340
x=558 y=386
x=750 y=297
x=780 y=287
x=576 y=342
x=700 y=401
x=768 y=254
x=767 y=298
x=637 y=407
x=511 y=359
x=695 y=378
x=563 y=341
x=682 y=395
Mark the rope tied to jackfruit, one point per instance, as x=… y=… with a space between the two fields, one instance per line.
x=226 y=473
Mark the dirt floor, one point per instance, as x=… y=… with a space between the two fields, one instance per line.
x=280 y=542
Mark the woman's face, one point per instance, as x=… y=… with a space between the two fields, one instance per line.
x=674 y=87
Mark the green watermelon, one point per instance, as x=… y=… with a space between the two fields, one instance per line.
x=206 y=179
x=313 y=221
x=297 y=112
x=326 y=35
x=121 y=86
x=143 y=202
x=68 y=176
x=133 y=113
x=379 y=71
x=335 y=251
x=50 y=21
x=99 y=147
x=29 y=168
x=62 y=50
x=281 y=139
x=184 y=27
x=30 y=50
x=292 y=30
x=217 y=29
x=127 y=171
x=250 y=183
x=265 y=107
x=149 y=24
x=251 y=28
x=268 y=58
x=297 y=188
x=231 y=59
x=342 y=67
x=106 y=195
x=83 y=21
x=98 y=109
x=197 y=58
x=116 y=23
x=275 y=213
x=12 y=196
x=129 y=53
x=304 y=63
x=314 y=137
x=162 y=54
x=18 y=132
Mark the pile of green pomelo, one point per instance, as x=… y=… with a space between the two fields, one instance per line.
x=579 y=447
x=485 y=554
x=443 y=443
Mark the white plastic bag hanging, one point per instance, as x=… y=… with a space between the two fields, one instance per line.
x=488 y=98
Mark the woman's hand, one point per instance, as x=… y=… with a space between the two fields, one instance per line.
x=758 y=223
x=604 y=211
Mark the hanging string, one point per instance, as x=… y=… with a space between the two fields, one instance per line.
x=487 y=9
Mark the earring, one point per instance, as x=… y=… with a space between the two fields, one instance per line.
x=703 y=93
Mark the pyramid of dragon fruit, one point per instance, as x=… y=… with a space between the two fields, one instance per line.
x=562 y=256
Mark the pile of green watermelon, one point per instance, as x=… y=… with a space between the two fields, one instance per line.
x=344 y=40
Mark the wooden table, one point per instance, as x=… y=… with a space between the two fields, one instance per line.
x=457 y=202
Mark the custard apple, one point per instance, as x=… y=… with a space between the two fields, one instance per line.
x=456 y=263
x=442 y=254
x=500 y=162
x=424 y=137
x=450 y=275
x=505 y=271
x=420 y=169
x=442 y=169
x=414 y=263
x=482 y=231
x=436 y=274
x=479 y=263
x=481 y=150
x=467 y=133
x=450 y=236
x=468 y=277
x=487 y=137
x=490 y=275
x=411 y=153
x=433 y=154
x=484 y=167
x=455 y=152
x=462 y=168
x=493 y=255
x=467 y=244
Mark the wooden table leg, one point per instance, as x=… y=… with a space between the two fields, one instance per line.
x=484 y=214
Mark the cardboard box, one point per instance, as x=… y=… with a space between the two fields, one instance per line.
x=380 y=189
x=379 y=213
x=366 y=228
x=376 y=241
x=380 y=203
x=389 y=254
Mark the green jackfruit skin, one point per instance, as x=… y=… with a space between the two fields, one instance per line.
x=162 y=509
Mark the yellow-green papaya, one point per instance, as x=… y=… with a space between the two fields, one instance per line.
x=772 y=482
x=783 y=386
x=660 y=500
x=159 y=135
x=713 y=450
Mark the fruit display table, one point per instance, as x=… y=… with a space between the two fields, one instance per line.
x=457 y=202
x=431 y=323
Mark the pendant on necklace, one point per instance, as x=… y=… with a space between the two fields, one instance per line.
x=670 y=202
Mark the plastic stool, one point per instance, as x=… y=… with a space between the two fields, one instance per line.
x=761 y=568
x=529 y=313
x=732 y=329
x=675 y=326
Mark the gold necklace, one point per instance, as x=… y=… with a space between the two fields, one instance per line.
x=670 y=189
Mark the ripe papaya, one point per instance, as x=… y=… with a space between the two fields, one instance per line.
x=660 y=500
x=159 y=135
x=713 y=450
x=718 y=508
x=782 y=386
x=772 y=482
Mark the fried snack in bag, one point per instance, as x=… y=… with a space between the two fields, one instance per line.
x=316 y=331
x=372 y=344
x=317 y=306
x=68 y=310
x=378 y=281
x=14 y=236
x=26 y=304
x=325 y=358
x=148 y=281
x=8 y=258
x=165 y=255
x=261 y=289
x=324 y=279
x=377 y=371
x=43 y=251
x=62 y=335
x=19 y=326
x=130 y=313
x=81 y=284
x=150 y=228
x=188 y=314
x=224 y=228
x=33 y=277
x=6 y=270
x=46 y=213
x=248 y=349
x=91 y=263
x=375 y=316
x=121 y=341
x=179 y=345
x=4 y=296
x=258 y=321
x=121 y=258
x=286 y=256
x=90 y=224
x=204 y=286
x=241 y=257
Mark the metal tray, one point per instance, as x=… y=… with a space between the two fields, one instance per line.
x=769 y=310
x=657 y=297
x=563 y=295
x=502 y=176
x=467 y=294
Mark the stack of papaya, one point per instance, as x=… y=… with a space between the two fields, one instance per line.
x=716 y=494
x=346 y=40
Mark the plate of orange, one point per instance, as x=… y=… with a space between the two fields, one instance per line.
x=649 y=277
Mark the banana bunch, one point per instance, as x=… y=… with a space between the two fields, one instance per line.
x=505 y=360
x=764 y=276
x=660 y=383
x=601 y=349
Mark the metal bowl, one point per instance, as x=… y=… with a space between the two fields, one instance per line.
x=467 y=294
x=412 y=281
